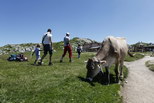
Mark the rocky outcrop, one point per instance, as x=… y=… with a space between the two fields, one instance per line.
x=21 y=48
x=18 y=48
x=82 y=41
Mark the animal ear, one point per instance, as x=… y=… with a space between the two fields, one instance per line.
x=87 y=60
x=114 y=44
x=102 y=61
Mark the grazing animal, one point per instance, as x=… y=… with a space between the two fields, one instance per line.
x=113 y=51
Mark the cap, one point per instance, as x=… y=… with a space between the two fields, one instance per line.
x=68 y=33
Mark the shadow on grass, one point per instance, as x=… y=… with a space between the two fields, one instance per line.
x=42 y=65
x=85 y=80
x=99 y=78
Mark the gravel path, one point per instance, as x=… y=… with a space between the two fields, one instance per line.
x=140 y=82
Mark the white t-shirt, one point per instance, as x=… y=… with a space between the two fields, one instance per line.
x=66 y=40
x=37 y=51
x=46 y=39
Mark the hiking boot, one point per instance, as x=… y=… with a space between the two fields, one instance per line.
x=39 y=63
x=50 y=63
x=70 y=60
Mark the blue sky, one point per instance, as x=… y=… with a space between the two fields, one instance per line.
x=25 y=21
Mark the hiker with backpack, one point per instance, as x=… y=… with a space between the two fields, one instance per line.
x=37 y=52
x=47 y=46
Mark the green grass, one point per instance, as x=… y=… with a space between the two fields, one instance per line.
x=150 y=65
x=21 y=82
x=137 y=56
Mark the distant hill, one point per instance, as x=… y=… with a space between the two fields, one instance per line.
x=140 y=43
x=21 y=48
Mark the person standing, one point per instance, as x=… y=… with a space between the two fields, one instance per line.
x=37 y=53
x=79 y=50
x=67 y=47
x=47 y=46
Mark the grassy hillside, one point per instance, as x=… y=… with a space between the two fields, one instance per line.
x=21 y=82
x=137 y=56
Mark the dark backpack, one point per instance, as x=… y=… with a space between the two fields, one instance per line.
x=21 y=57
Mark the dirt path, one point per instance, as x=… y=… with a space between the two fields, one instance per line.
x=140 y=82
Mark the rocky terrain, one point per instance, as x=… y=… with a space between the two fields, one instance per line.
x=11 y=48
x=21 y=48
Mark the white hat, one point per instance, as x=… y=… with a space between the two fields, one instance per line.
x=68 y=33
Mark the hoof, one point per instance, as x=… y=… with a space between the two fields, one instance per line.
x=50 y=63
x=61 y=61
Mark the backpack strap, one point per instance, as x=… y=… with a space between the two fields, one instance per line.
x=44 y=38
